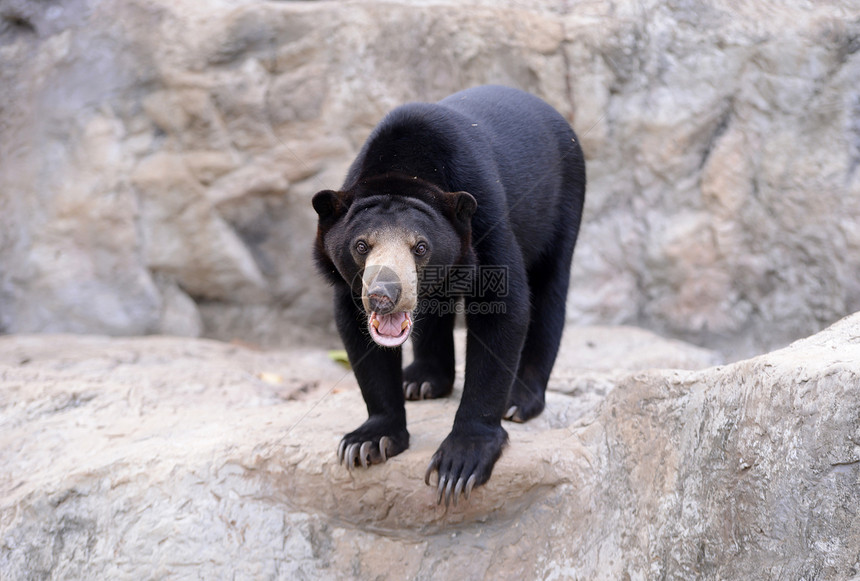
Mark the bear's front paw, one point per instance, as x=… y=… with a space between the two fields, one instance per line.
x=422 y=381
x=465 y=460
x=377 y=440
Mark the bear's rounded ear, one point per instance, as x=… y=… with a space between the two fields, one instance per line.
x=329 y=204
x=464 y=205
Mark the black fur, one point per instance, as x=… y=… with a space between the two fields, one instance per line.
x=520 y=160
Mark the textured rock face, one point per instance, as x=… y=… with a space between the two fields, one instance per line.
x=157 y=158
x=174 y=458
x=725 y=163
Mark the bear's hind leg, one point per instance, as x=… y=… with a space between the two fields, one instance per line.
x=548 y=284
x=431 y=374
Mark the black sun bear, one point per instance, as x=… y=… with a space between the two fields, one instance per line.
x=485 y=186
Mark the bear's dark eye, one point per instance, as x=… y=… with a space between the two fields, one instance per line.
x=361 y=247
x=420 y=249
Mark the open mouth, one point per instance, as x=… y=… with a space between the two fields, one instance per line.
x=390 y=330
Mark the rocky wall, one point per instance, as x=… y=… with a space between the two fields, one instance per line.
x=157 y=158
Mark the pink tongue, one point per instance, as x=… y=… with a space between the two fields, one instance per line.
x=391 y=325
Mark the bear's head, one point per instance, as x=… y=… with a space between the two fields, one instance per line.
x=381 y=235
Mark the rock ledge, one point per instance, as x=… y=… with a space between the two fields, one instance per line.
x=182 y=458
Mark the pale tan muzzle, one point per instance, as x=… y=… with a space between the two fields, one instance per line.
x=390 y=288
x=390 y=267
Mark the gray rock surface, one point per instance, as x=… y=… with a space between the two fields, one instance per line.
x=182 y=458
x=157 y=157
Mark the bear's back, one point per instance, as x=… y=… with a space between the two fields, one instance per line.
x=511 y=150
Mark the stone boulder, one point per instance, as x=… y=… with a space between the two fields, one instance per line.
x=157 y=157
x=180 y=458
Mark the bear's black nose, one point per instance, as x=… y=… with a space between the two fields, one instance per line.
x=384 y=291
x=381 y=304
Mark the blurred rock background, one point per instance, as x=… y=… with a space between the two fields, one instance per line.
x=157 y=158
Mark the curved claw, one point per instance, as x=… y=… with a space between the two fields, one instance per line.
x=364 y=454
x=341 y=448
x=349 y=456
x=440 y=488
x=384 y=443
x=448 y=489
x=425 y=390
x=412 y=391
x=470 y=484
x=434 y=463
x=458 y=489
x=511 y=411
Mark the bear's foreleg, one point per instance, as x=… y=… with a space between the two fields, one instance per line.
x=465 y=458
x=379 y=374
